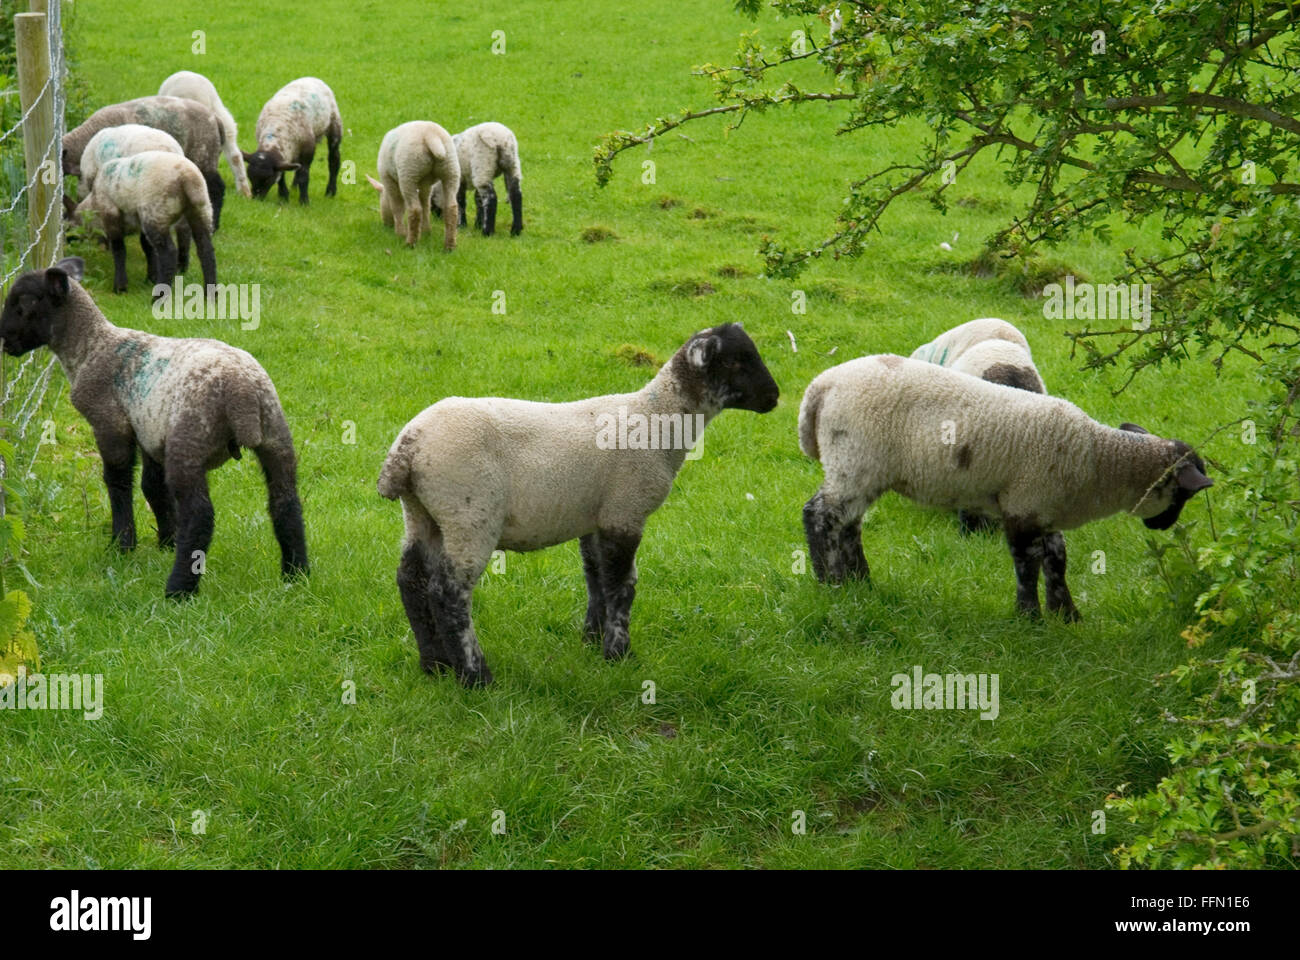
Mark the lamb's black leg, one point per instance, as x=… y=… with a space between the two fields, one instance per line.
x=834 y=537
x=164 y=254
x=460 y=202
x=207 y=257
x=284 y=188
x=154 y=483
x=302 y=175
x=335 y=162
x=516 y=206
x=183 y=236
x=195 y=520
x=487 y=203
x=1026 y=544
x=216 y=195
x=119 y=477
x=1054 y=585
x=593 y=629
x=118 y=245
x=449 y=599
x=150 y=263
x=618 y=581
x=413 y=577
x=975 y=522
x=280 y=468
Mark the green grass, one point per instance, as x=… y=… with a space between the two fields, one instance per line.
x=772 y=691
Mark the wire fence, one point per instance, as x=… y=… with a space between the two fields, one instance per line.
x=24 y=388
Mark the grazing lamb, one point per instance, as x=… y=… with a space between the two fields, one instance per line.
x=124 y=141
x=995 y=351
x=948 y=440
x=195 y=86
x=291 y=125
x=487 y=151
x=151 y=192
x=189 y=405
x=477 y=475
x=412 y=158
x=194 y=127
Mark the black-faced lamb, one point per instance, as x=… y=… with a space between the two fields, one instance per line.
x=187 y=404
x=289 y=128
x=195 y=86
x=151 y=192
x=194 y=127
x=487 y=151
x=475 y=475
x=412 y=158
x=948 y=440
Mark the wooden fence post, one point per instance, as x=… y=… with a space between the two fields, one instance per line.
x=42 y=152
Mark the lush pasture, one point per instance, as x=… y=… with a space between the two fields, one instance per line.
x=772 y=692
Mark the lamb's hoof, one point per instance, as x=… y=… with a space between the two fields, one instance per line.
x=1069 y=614
x=181 y=593
x=476 y=678
x=1030 y=613
x=515 y=231
x=166 y=543
x=618 y=650
x=434 y=666
x=295 y=571
x=592 y=633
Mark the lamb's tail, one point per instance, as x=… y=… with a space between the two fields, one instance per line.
x=508 y=162
x=199 y=206
x=395 y=475
x=433 y=143
x=809 y=410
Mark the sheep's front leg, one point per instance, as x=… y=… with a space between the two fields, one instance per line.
x=154 y=483
x=618 y=581
x=117 y=243
x=195 y=520
x=301 y=175
x=414 y=584
x=118 y=454
x=834 y=534
x=283 y=188
x=486 y=198
x=1026 y=544
x=460 y=204
x=593 y=629
x=1058 y=592
x=164 y=251
x=150 y=262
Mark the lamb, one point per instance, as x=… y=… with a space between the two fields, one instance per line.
x=412 y=158
x=151 y=192
x=291 y=125
x=124 y=141
x=195 y=86
x=194 y=127
x=486 y=151
x=948 y=440
x=477 y=474
x=988 y=348
x=188 y=404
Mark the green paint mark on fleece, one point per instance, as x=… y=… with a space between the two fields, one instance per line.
x=139 y=371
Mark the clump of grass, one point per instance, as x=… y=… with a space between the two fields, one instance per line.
x=1026 y=274
x=702 y=213
x=597 y=233
x=683 y=287
x=733 y=271
x=667 y=202
x=635 y=356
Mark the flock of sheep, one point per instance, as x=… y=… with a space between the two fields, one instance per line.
x=965 y=424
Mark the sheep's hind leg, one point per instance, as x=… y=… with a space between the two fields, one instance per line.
x=164 y=255
x=414 y=220
x=593 y=628
x=195 y=521
x=284 y=188
x=301 y=176
x=153 y=482
x=486 y=198
x=618 y=580
x=460 y=203
x=183 y=237
x=117 y=244
x=333 y=138
x=1058 y=592
x=1026 y=544
x=450 y=598
x=281 y=472
x=414 y=584
x=150 y=263
x=834 y=533
x=972 y=523
x=516 y=205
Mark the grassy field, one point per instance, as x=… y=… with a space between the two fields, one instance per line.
x=772 y=692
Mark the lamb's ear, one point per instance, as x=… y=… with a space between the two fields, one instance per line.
x=702 y=350
x=74 y=267
x=56 y=285
x=1191 y=479
x=375 y=183
x=247 y=156
x=1133 y=428
x=287 y=166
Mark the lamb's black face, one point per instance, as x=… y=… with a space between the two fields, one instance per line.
x=264 y=169
x=34 y=301
x=1185 y=480
x=728 y=364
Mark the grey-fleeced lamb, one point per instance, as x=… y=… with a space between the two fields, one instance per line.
x=487 y=151
x=475 y=475
x=189 y=405
x=195 y=86
x=949 y=440
x=151 y=192
x=191 y=124
x=412 y=158
x=294 y=121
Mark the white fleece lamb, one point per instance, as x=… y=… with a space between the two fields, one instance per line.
x=124 y=141
x=149 y=193
x=413 y=158
x=949 y=440
x=291 y=125
x=487 y=151
x=475 y=475
x=988 y=348
x=195 y=86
